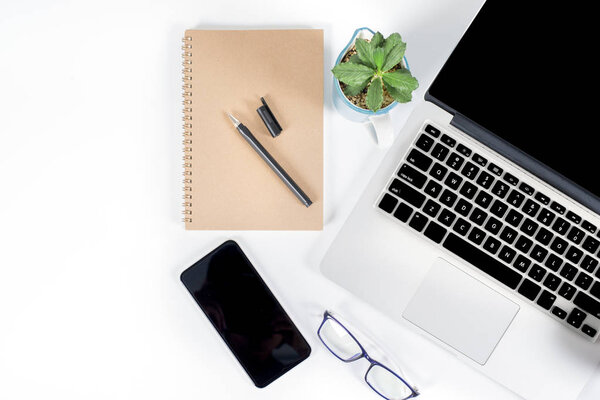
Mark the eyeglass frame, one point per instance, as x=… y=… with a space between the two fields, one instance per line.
x=327 y=315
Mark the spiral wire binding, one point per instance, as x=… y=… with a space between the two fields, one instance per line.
x=187 y=128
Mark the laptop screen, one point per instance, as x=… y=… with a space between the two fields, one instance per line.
x=524 y=75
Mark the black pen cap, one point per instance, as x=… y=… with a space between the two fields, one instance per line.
x=268 y=118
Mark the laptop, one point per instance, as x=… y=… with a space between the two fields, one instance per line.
x=480 y=229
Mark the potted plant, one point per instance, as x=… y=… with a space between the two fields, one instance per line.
x=371 y=77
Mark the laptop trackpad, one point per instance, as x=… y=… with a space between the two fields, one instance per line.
x=460 y=311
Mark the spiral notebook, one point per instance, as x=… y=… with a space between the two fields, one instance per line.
x=227 y=186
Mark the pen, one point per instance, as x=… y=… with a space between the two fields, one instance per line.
x=255 y=144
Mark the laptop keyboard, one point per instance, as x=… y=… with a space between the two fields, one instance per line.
x=498 y=223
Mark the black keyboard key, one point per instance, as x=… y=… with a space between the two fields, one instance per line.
x=526 y=188
x=499 y=208
x=587 y=304
x=523 y=244
x=468 y=190
x=435 y=132
x=433 y=189
x=546 y=217
x=538 y=253
x=407 y=193
x=573 y=217
x=542 y=198
x=431 y=208
x=403 y=212
x=546 y=300
x=559 y=312
x=515 y=198
x=595 y=290
x=493 y=225
x=522 y=263
x=470 y=170
x=495 y=169
x=508 y=235
x=559 y=246
x=418 y=221
x=412 y=176
x=455 y=161
x=529 y=227
x=438 y=171
x=448 y=198
x=537 y=272
x=440 y=151
x=590 y=244
x=479 y=159
x=576 y=317
x=559 y=208
x=507 y=254
x=483 y=199
x=464 y=150
x=424 y=143
x=447 y=217
x=553 y=262
x=529 y=289
x=435 y=232
x=483 y=261
x=477 y=235
x=574 y=254
x=419 y=160
x=478 y=216
x=485 y=180
x=544 y=236
x=575 y=235
x=491 y=245
x=388 y=203
x=513 y=180
x=584 y=281
x=561 y=226
x=500 y=189
x=514 y=217
x=448 y=140
x=531 y=207
x=589 y=264
x=567 y=291
x=588 y=226
x=463 y=207
x=453 y=181
x=588 y=330
x=552 y=281
x=568 y=272
x=461 y=227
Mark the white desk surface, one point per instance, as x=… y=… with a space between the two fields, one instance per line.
x=92 y=246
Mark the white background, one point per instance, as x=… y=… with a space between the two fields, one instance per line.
x=91 y=243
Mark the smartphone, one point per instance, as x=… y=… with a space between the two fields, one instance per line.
x=245 y=313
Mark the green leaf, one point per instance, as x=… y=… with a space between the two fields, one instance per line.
x=391 y=41
x=394 y=57
x=376 y=40
x=399 y=95
x=375 y=94
x=378 y=58
x=354 y=90
x=352 y=74
x=401 y=80
x=354 y=58
x=400 y=85
x=365 y=52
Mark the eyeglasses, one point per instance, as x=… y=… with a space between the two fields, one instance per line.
x=342 y=344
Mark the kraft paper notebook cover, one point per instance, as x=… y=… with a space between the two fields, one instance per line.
x=227 y=186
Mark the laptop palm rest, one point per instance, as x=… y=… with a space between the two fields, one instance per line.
x=460 y=311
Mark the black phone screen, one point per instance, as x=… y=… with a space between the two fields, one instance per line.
x=245 y=313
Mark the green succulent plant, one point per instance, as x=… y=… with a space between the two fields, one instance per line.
x=376 y=65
